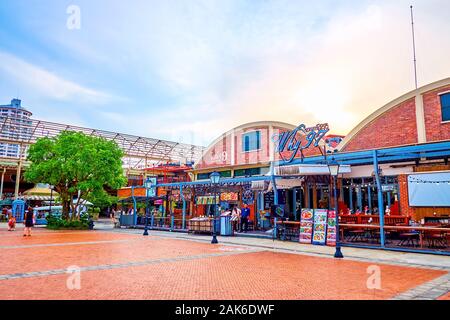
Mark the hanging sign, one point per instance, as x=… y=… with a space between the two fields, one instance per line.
x=151 y=192
x=289 y=143
x=229 y=196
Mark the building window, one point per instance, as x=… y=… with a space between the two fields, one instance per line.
x=251 y=141
x=445 y=106
x=205 y=176
x=247 y=172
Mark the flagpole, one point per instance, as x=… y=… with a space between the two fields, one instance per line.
x=414 y=46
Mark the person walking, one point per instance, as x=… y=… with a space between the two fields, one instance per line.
x=112 y=214
x=29 y=222
x=245 y=214
x=235 y=216
x=11 y=223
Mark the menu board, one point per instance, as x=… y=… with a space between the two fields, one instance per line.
x=320 y=226
x=268 y=200
x=306 y=226
x=331 y=228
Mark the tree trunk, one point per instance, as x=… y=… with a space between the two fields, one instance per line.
x=65 y=208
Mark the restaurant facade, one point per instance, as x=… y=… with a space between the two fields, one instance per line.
x=394 y=173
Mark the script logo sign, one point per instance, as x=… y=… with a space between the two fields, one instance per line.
x=289 y=143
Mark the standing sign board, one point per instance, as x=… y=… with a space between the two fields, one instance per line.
x=320 y=226
x=151 y=192
x=331 y=228
x=306 y=225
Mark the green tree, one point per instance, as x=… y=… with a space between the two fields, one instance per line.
x=77 y=165
x=102 y=199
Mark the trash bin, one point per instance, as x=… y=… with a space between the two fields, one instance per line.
x=225 y=226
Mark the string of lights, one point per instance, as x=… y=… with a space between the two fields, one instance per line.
x=437 y=182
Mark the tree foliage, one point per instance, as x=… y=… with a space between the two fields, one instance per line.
x=77 y=165
x=102 y=199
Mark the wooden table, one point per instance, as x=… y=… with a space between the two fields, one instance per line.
x=421 y=230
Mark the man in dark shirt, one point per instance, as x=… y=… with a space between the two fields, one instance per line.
x=245 y=214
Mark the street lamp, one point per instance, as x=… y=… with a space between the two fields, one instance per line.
x=215 y=179
x=333 y=167
x=51 y=197
x=148 y=185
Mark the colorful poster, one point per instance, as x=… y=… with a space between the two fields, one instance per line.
x=229 y=196
x=331 y=228
x=320 y=226
x=306 y=226
x=207 y=199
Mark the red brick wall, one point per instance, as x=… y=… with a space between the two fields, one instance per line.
x=405 y=209
x=435 y=129
x=219 y=155
x=395 y=127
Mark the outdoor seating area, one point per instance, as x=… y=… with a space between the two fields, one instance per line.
x=421 y=237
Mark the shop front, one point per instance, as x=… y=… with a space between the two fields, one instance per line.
x=390 y=190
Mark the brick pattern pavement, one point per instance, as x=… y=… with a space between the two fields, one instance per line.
x=431 y=290
x=117 y=265
x=126 y=265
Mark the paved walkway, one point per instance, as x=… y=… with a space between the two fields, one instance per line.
x=122 y=264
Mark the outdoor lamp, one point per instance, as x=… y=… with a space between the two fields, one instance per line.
x=333 y=166
x=148 y=185
x=215 y=178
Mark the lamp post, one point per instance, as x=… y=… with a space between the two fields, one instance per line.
x=333 y=167
x=215 y=179
x=51 y=197
x=147 y=185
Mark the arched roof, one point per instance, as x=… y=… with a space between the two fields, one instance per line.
x=242 y=127
x=379 y=112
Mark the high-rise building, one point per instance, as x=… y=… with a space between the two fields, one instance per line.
x=15 y=124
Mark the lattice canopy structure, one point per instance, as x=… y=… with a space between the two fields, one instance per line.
x=140 y=152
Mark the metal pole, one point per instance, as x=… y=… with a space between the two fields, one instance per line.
x=294 y=203
x=350 y=188
x=338 y=252
x=184 y=207
x=275 y=191
x=359 y=197
x=51 y=198
x=146 y=214
x=16 y=189
x=380 y=197
x=414 y=46
x=1 y=184
x=214 y=239
x=134 y=206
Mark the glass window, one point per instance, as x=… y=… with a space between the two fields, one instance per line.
x=445 y=106
x=251 y=141
x=205 y=176
x=247 y=172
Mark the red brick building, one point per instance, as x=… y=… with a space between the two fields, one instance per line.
x=417 y=118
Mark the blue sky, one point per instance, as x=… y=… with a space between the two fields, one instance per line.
x=190 y=70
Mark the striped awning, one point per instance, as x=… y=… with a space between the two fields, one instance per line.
x=38 y=198
x=260 y=185
x=287 y=183
x=308 y=170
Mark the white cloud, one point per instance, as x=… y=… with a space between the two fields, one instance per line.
x=48 y=84
x=216 y=65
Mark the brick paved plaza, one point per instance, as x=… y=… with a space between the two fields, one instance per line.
x=126 y=265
